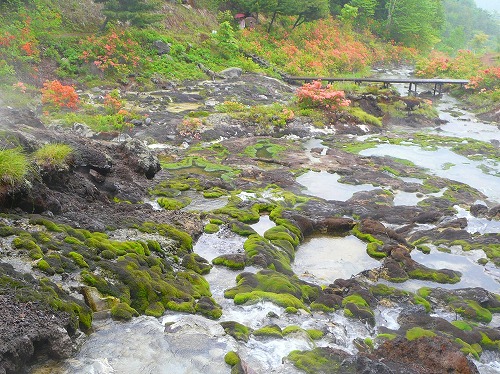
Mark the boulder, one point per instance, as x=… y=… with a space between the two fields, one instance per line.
x=231 y=73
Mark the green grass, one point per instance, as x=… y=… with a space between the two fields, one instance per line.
x=53 y=155
x=13 y=167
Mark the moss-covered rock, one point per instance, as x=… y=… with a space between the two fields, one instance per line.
x=123 y=311
x=235 y=261
x=173 y=204
x=211 y=228
x=273 y=331
x=237 y=330
x=232 y=358
x=196 y=263
x=323 y=360
x=355 y=306
x=208 y=307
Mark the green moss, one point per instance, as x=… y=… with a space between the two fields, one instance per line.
x=355 y=299
x=49 y=225
x=418 y=332
x=282 y=300
x=45 y=267
x=242 y=229
x=462 y=325
x=421 y=301
x=108 y=254
x=291 y=310
x=173 y=204
x=196 y=263
x=214 y=192
x=155 y=309
x=424 y=249
x=291 y=329
x=123 y=311
x=439 y=276
x=472 y=310
x=229 y=262
x=183 y=306
x=315 y=334
x=386 y=336
x=78 y=259
x=321 y=360
x=364 y=117
x=467 y=349
x=231 y=358
x=54 y=155
x=270 y=331
x=183 y=238
x=322 y=307
x=208 y=307
x=236 y=330
x=424 y=292
x=373 y=251
x=211 y=228
x=282 y=233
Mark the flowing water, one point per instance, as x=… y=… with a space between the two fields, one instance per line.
x=181 y=343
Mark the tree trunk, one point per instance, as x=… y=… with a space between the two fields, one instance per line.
x=271 y=24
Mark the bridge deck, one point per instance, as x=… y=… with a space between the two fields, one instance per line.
x=438 y=82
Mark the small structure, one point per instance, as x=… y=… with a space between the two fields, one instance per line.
x=240 y=17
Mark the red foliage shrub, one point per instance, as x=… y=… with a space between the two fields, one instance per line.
x=57 y=95
x=314 y=95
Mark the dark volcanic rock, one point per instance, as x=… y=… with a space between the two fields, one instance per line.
x=28 y=331
x=426 y=355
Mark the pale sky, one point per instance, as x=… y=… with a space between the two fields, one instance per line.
x=489 y=4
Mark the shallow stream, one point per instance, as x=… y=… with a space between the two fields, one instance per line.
x=182 y=343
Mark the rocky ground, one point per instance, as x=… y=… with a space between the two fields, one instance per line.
x=82 y=241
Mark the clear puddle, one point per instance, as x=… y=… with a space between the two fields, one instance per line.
x=263 y=225
x=321 y=260
x=326 y=186
x=446 y=164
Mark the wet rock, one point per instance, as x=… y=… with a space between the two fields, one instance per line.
x=161 y=47
x=426 y=355
x=231 y=73
x=479 y=210
x=28 y=331
x=144 y=159
x=334 y=225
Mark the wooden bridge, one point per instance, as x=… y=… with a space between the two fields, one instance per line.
x=412 y=82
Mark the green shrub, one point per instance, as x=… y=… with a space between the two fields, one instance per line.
x=53 y=155
x=13 y=167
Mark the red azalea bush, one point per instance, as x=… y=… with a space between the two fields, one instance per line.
x=113 y=53
x=314 y=95
x=439 y=64
x=487 y=79
x=57 y=95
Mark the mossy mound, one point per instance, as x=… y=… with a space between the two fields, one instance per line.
x=211 y=228
x=235 y=261
x=355 y=306
x=261 y=252
x=271 y=285
x=273 y=331
x=242 y=229
x=208 y=307
x=231 y=358
x=169 y=203
x=196 y=263
x=435 y=275
x=123 y=311
x=323 y=360
x=237 y=330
